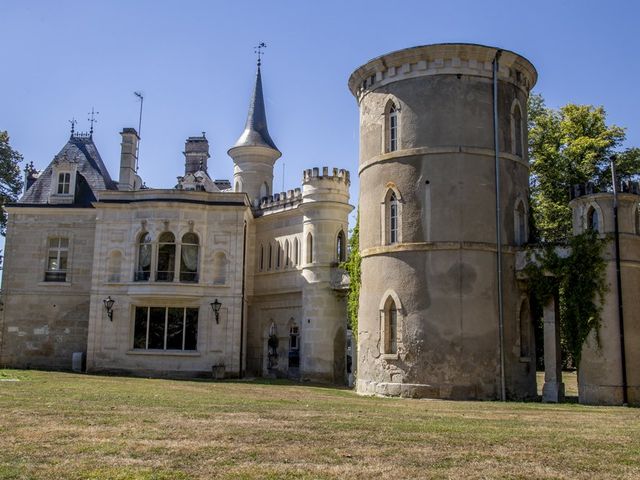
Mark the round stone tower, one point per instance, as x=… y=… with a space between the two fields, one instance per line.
x=600 y=376
x=325 y=209
x=429 y=322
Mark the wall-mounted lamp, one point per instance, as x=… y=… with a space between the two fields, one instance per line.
x=108 y=304
x=215 y=306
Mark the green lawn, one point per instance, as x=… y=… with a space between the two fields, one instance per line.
x=65 y=426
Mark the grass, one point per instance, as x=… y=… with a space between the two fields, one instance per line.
x=67 y=426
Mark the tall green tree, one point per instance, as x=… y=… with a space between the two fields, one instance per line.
x=352 y=266
x=569 y=146
x=10 y=176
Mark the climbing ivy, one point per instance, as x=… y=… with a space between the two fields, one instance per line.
x=579 y=278
x=352 y=266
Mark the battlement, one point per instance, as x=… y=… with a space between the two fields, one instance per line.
x=338 y=175
x=281 y=199
x=590 y=188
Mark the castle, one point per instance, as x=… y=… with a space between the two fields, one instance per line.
x=213 y=278
x=205 y=278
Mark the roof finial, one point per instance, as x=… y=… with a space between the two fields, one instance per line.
x=92 y=119
x=258 y=51
x=73 y=125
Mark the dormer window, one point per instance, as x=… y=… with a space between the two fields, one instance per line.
x=64 y=183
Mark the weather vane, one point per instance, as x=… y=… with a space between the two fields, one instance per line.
x=92 y=119
x=73 y=125
x=258 y=51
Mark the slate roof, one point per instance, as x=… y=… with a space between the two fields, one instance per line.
x=92 y=175
x=255 y=131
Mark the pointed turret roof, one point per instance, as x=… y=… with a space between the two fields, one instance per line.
x=255 y=132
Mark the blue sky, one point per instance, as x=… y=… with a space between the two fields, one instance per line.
x=194 y=62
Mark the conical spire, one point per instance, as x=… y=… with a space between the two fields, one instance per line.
x=255 y=130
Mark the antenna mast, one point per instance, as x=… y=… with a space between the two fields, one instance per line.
x=141 y=97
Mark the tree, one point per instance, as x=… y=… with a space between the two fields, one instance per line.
x=569 y=146
x=352 y=266
x=10 y=176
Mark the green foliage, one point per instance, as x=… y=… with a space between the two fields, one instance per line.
x=579 y=279
x=352 y=266
x=10 y=176
x=569 y=146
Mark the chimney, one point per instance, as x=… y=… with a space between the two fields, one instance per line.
x=128 y=158
x=196 y=153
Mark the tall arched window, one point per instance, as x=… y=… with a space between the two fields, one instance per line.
x=309 y=248
x=593 y=222
x=278 y=255
x=517 y=130
x=520 y=224
x=392 y=127
x=340 y=247
x=295 y=251
x=264 y=190
x=189 y=258
x=143 y=269
x=166 y=257
x=261 y=257
x=393 y=218
x=637 y=218
x=287 y=253
x=270 y=256
x=390 y=327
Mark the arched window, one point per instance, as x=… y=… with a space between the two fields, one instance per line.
x=340 y=247
x=525 y=330
x=390 y=327
x=220 y=263
x=637 y=218
x=286 y=254
x=143 y=269
x=516 y=130
x=392 y=127
x=166 y=257
x=295 y=251
x=520 y=224
x=294 y=346
x=278 y=255
x=189 y=257
x=261 y=257
x=593 y=222
x=114 y=266
x=270 y=256
x=393 y=218
x=309 y=248
x=264 y=190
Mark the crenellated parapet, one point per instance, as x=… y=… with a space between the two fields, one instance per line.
x=590 y=188
x=337 y=175
x=281 y=200
x=442 y=59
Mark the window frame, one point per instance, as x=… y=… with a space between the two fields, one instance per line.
x=517 y=129
x=64 y=180
x=391 y=127
x=165 y=328
x=58 y=275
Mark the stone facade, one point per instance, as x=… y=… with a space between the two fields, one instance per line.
x=168 y=257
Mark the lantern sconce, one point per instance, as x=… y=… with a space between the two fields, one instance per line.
x=108 y=305
x=215 y=306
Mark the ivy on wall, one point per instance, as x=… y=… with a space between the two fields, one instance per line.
x=579 y=279
x=352 y=266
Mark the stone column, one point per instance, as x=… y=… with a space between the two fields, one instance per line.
x=553 y=389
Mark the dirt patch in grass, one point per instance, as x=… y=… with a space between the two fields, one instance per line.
x=66 y=426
